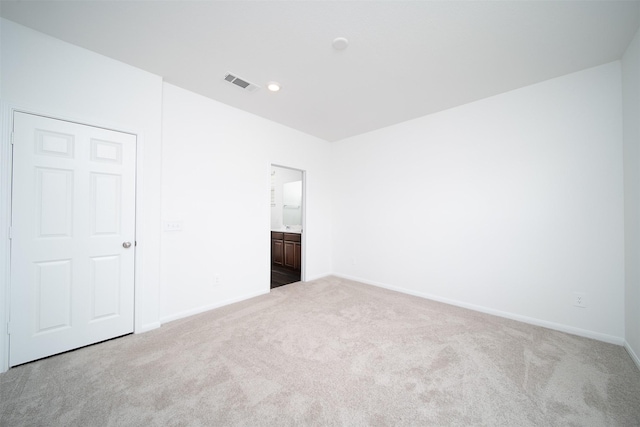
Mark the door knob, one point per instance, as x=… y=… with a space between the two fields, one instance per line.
x=126 y=245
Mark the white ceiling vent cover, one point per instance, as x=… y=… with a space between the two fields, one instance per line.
x=242 y=83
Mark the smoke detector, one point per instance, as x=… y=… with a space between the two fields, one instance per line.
x=241 y=83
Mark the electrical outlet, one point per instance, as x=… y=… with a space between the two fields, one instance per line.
x=216 y=280
x=579 y=299
x=172 y=225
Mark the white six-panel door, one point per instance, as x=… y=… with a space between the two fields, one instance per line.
x=73 y=213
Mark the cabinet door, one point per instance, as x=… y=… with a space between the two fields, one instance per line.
x=297 y=254
x=289 y=254
x=276 y=251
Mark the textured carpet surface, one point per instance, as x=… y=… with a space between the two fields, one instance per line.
x=331 y=352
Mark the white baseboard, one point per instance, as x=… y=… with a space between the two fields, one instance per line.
x=318 y=276
x=633 y=355
x=524 y=319
x=208 y=307
x=148 y=327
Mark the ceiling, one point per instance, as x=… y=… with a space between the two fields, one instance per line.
x=405 y=59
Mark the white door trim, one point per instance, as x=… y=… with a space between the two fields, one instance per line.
x=303 y=237
x=5 y=215
x=7 y=111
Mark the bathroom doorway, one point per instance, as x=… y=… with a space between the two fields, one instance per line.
x=287 y=220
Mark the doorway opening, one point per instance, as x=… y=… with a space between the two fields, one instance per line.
x=287 y=220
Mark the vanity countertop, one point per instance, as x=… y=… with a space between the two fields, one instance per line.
x=284 y=230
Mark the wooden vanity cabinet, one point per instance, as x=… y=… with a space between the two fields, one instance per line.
x=286 y=250
x=277 y=248
x=292 y=250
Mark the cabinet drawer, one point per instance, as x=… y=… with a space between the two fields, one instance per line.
x=291 y=237
x=276 y=235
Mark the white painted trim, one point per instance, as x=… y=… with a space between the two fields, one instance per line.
x=146 y=328
x=633 y=355
x=5 y=221
x=320 y=276
x=139 y=237
x=524 y=319
x=138 y=326
x=303 y=236
x=7 y=111
x=202 y=309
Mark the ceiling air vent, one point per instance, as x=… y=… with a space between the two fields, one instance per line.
x=250 y=87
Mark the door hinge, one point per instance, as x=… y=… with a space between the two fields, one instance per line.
x=10 y=233
x=12 y=134
x=9 y=331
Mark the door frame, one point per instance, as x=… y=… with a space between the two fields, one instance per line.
x=303 y=236
x=7 y=111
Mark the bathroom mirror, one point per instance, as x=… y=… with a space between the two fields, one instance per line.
x=292 y=203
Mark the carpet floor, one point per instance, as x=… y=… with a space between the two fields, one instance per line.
x=331 y=352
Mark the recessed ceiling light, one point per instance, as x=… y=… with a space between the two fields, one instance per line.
x=273 y=86
x=340 y=43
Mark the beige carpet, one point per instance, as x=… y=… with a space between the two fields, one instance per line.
x=331 y=352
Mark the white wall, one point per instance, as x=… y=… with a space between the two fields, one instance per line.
x=507 y=205
x=631 y=129
x=217 y=181
x=45 y=75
